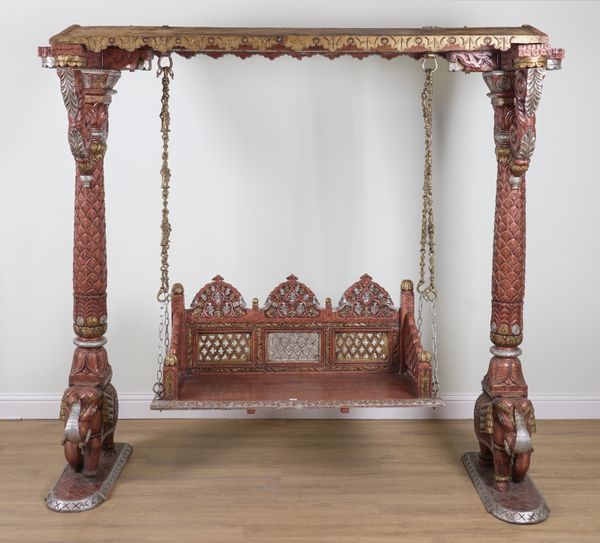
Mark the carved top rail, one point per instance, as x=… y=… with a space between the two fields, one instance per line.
x=468 y=49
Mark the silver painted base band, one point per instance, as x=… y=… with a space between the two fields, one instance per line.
x=90 y=344
x=505 y=353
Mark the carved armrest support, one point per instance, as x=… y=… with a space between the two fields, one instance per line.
x=174 y=363
x=417 y=361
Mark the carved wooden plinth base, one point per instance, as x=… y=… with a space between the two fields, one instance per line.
x=522 y=504
x=73 y=492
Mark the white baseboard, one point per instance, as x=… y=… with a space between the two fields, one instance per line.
x=458 y=406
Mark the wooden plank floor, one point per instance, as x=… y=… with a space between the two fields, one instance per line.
x=297 y=481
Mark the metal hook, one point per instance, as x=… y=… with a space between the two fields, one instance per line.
x=432 y=57
x=167 y=67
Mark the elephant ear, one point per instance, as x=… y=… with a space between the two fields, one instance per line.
x=108 y=408
x=529 y=415
x=90 y=411
x=64 y=407
x=92 y=403
x=486 y=418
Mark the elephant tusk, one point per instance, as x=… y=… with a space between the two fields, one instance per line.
x=507 y=448
x=83 y=443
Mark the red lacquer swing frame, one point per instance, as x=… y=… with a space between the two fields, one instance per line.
x=90 y=60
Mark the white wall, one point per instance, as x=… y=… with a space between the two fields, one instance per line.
x=311 y=167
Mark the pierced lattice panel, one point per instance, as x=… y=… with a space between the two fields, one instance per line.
x=293 y=347
x=232 y=347
x=362 y=346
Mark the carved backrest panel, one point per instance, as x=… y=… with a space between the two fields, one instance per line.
x=366 y=298
x=290 y=333
x=218 y=299
x=291 y=299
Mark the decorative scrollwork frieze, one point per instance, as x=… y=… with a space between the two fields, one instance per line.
x=472 y=61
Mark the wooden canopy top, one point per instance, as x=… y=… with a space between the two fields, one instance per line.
x=297 y=41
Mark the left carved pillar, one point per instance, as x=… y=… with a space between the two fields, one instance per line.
x=90 y=404
x=87 y=94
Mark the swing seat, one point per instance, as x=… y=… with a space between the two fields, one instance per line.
x=293 y=353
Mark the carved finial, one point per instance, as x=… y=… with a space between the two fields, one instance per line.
x=177 y=289
x=424 y=356
x=365 y=277
x=217 y=278
x=254 y=303
x=170 y=360
x=407 y=284
x=292 y=278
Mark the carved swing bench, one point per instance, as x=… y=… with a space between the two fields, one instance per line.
x=294 y=353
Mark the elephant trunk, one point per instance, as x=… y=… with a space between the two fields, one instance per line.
x=71 y=434
x=521 y=467
x=523 y=444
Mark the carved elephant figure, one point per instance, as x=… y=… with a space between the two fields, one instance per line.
x=503 y=427
x=90 y=416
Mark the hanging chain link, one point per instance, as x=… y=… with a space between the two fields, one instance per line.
x=426 y=286
x=163 y=296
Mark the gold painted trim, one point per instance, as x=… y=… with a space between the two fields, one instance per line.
x=298 y=40
x=502 y=340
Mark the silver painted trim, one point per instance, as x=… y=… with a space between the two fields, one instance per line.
x=505 y=353
x=95 y=499
x=292 y=403
x=513 y=516
x=90 y=344
x=515 y=181
x=86 y=180
x=48 y=62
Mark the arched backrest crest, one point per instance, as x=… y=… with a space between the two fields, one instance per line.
x=218 y=299
x=365 y=298
x=291 y=299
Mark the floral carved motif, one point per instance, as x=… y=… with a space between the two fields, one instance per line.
x=291 y=299
x=365 y=298
x=218 y=299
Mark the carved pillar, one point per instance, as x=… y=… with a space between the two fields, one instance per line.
x=515 y=96
x=87 y=94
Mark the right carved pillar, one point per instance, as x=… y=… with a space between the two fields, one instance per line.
x=515 y=95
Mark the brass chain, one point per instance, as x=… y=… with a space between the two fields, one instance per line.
x=165 y=173
x=427 y=244
x=163 y=295
x=426 y=285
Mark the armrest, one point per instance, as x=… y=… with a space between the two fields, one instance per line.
x=416 y=363
x=174 y=363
